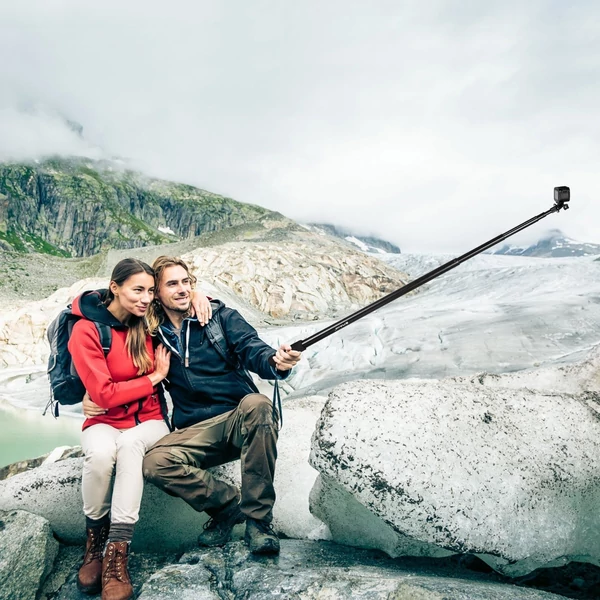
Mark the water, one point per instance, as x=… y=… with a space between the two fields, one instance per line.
x=27 y=434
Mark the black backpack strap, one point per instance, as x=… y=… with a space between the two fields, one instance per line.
x=217 y=338
x=105 y=333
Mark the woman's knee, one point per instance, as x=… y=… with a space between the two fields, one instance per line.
x=100 y=460
x=128 y=444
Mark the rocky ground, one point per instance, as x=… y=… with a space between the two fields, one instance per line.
x=322 y=570
x=26 y=277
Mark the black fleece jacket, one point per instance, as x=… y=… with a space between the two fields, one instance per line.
x=201 y=383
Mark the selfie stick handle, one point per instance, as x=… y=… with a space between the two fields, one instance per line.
x=561 y=197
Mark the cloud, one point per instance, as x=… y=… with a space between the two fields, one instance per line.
x=34 y=133
x=435 y=126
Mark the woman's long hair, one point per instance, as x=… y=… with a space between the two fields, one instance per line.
x=155 y=314
x=135 y=342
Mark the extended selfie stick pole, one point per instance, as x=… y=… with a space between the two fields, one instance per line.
x=561 y=198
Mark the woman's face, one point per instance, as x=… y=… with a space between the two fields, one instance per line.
x=135 y=294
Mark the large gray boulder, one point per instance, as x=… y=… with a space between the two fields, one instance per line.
x=27 y=553
x=422 y=467
x=53 y=490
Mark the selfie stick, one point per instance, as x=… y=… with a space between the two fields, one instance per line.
x=561 y=199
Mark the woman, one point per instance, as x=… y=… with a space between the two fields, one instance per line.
x=124 y=384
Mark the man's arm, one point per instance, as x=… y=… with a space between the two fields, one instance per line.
x=254 y=354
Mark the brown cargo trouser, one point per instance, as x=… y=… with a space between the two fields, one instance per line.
x=177 y=463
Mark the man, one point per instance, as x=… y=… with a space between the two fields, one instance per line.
x=218 y=413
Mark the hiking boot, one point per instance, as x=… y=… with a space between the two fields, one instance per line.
x=261 y=537
x=89 y=578
x=218 y=529
x=116 y=584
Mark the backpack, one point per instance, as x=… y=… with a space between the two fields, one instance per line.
x=65 y=385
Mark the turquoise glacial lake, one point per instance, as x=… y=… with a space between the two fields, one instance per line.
x=25 y=433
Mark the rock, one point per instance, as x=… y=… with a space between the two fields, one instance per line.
x=312 y=276
x=511 y=475
x=57 y=454
x=27 y=553
x=353 y=524
x=23 y=331
x=53 y=490
x=62 y=583
x=316 y=570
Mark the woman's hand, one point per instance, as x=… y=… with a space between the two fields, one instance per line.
x=162 y=361
x=90 y=408
x=201 y=307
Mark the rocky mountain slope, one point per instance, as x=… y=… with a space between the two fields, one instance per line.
x=79 y=207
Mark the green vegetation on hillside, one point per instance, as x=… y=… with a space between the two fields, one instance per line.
x=79 y=207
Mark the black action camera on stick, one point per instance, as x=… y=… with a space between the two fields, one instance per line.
x=562 y=195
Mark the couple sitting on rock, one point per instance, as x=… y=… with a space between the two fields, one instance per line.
x=201 y=354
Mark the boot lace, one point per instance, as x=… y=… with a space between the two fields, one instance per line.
x=211 y=524
x=98 y=539
x=265 y=527
x=114 y=566
x=216 y=523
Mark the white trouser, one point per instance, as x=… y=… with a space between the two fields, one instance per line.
x=103 y=447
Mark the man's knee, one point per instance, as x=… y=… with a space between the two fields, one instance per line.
x=257 y=408
x=157 y=463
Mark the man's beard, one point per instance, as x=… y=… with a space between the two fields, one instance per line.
x=181 y=309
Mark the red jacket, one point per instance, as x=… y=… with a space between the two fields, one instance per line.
x=112 y=381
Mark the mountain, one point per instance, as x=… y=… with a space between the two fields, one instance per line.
x=553 y=245
x=362 y=242
x=80 y=207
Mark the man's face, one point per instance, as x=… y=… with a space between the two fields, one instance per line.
x=174 y=289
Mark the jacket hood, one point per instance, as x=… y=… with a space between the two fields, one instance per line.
x=216 y=305
x=90 y=306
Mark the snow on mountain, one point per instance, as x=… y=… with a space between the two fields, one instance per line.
x=365 y=243
x=554 y=244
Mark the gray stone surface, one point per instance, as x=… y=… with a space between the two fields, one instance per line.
x=316 y=570
x=510 y=474
x=27 y=553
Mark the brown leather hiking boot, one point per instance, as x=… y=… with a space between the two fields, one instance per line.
x=116 y=584
x=89 y=578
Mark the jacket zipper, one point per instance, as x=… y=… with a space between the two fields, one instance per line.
x=136 y=416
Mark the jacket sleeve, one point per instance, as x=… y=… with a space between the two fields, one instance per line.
x=90 y=364
x=254 y=354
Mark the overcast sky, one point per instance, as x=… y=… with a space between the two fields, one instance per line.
x=436 y=125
